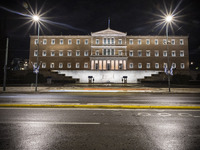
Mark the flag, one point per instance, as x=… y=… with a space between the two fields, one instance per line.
x=166 y=70
x=171 y=71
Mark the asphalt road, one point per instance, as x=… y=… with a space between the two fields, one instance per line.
x=116 y=98
x=96 y=129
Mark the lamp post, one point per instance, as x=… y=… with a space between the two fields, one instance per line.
x=36 y=18
x=168 y=20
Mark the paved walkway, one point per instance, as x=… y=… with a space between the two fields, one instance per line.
x=98 y=89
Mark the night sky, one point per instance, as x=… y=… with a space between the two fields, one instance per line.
x=81 y=17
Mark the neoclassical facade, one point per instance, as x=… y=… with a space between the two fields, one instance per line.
x=109 y=55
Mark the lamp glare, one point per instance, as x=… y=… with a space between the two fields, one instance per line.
x=168 y=18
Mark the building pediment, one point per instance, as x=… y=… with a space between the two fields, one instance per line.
x=108 y=32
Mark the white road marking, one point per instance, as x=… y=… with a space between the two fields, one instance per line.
x=44 y=122
x=185 y=114
x=164 y=114
x=144 y=114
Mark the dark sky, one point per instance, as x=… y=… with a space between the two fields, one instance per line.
x=80 y=17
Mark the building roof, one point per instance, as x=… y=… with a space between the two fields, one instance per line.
x=108 y=32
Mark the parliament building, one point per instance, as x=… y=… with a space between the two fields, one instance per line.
x=109 y=55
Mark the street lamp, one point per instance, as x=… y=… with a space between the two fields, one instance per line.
x=168 y=20
x=36 y=19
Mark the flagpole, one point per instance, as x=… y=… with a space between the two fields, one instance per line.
x=36 y=77
x=167 y=25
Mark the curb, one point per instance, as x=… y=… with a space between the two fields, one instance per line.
x=99 y=106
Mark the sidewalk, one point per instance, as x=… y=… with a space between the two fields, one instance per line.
x=98 y=89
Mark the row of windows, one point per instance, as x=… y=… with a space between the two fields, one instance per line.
x=131 y=65
x=111 y=52
x=156 y=65
x=60 y=65
x=156 y=53
x=112 y=41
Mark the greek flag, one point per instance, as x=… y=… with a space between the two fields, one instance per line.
x=166 y=70
x=171 y=71
x=36 y=69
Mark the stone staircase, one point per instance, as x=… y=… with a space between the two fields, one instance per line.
x=161 y=77
x=59 y=78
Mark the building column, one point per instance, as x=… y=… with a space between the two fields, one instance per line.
x=92 y=65
x=124 y=64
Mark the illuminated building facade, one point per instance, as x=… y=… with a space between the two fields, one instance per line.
x=109 y=55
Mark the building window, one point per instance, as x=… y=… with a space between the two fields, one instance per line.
x=68 y=65
x=139 y=65
x=156 y=41
x=120 y=53
x=182 y=65
x=120 y=41
x=112 y=52
x=43 y=65
x=104 y=51
x=139 y=41
x=139 y=53
x=85 y=65
x=35 y=64
x=148 y=65
x=148 y=53
x=77 y=65
x=36 y=41
x=182 y=53
x=69 y=41
x=86 y=41
x=85 y=53
x=173 y=65
x=52 y=53
x=60 y=65
x=35 y=52
x=181 y=42
x=108 y=40
x=97 y=52
x=113 y=41
x=108 y=52
x=131 y=53
x=173 y=53
x=51 y=65
x=60 y=53
x=44 y=53
x=165 y=65
x=44 y=41
x=52 y=41
x=157 y=65
x=164 y=42
x=156 y=53
x=61 y=42
x=104 y=40
x=173 y=41
x=77 y=41
x=131 y=41
x=131 y=65
x=69 y=53
x=78 y=53
x=97 y=41
x=165 y=53
x=148 y=41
